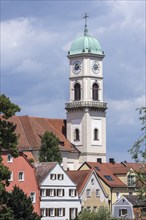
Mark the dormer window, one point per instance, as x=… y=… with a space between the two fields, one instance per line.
x=131 y=180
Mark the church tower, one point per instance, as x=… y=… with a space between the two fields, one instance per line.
x=86 y=110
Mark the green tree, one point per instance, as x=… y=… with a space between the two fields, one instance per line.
x=8 y=141
x=138 y=153
x=101 y=214
x=21 y=205
x=49 y=150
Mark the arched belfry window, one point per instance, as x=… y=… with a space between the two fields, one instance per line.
x=77 y=134
x=96 y=134
x=77 y=92
x=95 y=90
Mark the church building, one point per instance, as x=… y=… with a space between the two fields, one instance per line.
x=82 y=134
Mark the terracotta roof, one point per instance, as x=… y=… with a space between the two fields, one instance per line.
x=42 y=169
x=31 y=129
x=124 y=168
x=117 y=168
x=80 y=177
x=103 y=171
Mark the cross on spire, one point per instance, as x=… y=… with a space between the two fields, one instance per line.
x=85 y=27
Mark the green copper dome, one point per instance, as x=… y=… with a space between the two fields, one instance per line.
x=85 y=44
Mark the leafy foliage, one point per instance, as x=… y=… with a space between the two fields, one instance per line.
x=8 y=141
x=8 y=138
x=21 y=205
x=13 y=205
x=138 y=153
x=138 y=150
x=100 y=214
x=49 y=150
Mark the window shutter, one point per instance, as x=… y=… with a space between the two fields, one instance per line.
x=54 y=192
x=70 y=214
x=63 y=211
x=63 y=192
x=47 y=212
x=47 y=192
x=69 y=192
x=75 y=192
x=76 y=213
x=55 y=212
x=57 y=192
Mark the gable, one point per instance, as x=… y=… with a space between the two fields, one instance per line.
x=57 y=177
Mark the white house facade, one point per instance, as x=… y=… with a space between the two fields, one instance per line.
x=58 y=195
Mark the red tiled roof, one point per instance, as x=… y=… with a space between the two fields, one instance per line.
x=80 y=177
x=124 y=168
x=31 y=129
x=102 y=170
x=42 y=169
x=117 y=168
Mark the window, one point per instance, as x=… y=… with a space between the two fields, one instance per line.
x=131 y=180
x=73 y=213
x=60 y=192
x=88 y=208
x=77 y=92
x=43 y=192
x=11 y=176
x=43 y=212
x=96 y=134
x=51 y=212
x=33 y=197
x=9 y=158
x=60 y=176
x=95 y=208
x=52 y=176
x=122 y=212
x=50 y=192
x=92 y=181
x=61 y=212
x=117 y=195
x=108 y=178
x=88 y=193
x=95 y=89
x=72 y=192
x=77 y=135
x=21 y=176
x=97 y=192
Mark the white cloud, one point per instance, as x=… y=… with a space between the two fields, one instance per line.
x=124 y=111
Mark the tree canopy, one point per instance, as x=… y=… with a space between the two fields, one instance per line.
x=101 y=214
x=49 y=151
x=14 y=205
x=138 y=153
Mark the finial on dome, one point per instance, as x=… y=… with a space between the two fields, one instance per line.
x=85 y=27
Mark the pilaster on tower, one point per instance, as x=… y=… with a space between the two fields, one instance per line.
x=86 y=110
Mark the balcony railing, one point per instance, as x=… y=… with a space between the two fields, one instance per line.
x=86 y=104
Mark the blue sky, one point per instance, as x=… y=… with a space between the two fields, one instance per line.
x=35 y=39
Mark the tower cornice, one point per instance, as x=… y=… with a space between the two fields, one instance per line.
x=85 y=55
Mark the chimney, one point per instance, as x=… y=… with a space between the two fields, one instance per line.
x=111 y=160
x=99 y=160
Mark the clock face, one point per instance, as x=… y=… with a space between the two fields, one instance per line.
x=76 y=67
x=95 y=67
